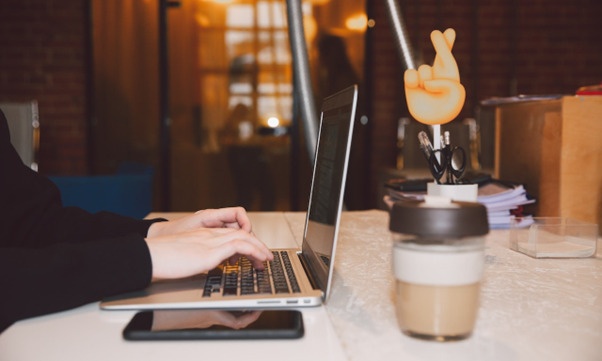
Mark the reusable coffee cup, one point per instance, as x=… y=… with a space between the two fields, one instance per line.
x=438 y=261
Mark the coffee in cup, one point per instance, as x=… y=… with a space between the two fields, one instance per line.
x=437 y=271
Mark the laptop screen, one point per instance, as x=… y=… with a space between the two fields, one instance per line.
x=328 y=184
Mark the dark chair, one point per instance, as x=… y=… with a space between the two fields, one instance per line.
x=127 y=192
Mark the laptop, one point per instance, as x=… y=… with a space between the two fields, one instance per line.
x=308 y=271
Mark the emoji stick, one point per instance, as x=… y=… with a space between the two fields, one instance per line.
x=434 y=94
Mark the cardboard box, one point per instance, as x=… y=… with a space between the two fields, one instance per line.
x=554 y=147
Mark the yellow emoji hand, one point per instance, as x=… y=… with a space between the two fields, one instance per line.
x=434 y=94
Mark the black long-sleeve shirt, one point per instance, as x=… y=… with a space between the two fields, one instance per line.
x=53 y=258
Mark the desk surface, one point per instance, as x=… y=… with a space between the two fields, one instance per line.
x=531 y=309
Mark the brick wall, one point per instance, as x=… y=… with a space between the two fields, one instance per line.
x=502 y=48
x=386 y=98
x=43 y=57
x=511 y=47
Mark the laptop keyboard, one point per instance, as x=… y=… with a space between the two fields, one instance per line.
x=242 y=279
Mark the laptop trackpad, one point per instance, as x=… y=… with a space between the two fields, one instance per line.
x=178 y=290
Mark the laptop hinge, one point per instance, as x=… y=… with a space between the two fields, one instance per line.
x=308 y=272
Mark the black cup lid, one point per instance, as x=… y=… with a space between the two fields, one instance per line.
x=454 y=219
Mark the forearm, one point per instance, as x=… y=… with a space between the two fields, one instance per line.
x=74 y=225
x=63 y=276
x=36 y=218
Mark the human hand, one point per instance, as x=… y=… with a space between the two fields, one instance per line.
x=178 y=319
x=200 y=250
x=435 y=94
x=232 y=217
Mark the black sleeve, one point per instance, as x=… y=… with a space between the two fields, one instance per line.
x=52 y=257
x=62 y=276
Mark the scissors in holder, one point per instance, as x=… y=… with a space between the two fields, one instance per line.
x=453 y=159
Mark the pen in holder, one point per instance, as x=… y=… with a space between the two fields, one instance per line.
x=450 y=167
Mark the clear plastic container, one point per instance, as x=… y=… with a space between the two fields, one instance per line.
x=553 y=237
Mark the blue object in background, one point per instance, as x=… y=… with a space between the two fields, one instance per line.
x=128 y=192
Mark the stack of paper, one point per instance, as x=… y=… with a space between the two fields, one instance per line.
x=504 y=203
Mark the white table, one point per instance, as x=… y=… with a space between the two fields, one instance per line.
x=531 y=309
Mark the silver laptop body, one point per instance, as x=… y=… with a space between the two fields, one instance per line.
x=312 y=265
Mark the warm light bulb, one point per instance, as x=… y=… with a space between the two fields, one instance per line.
x=222 y=2
x=273 y=122
x=357 y=22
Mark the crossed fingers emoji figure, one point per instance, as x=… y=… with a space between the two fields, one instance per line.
x=434 y=94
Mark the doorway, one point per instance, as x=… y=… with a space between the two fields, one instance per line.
x=230 y=83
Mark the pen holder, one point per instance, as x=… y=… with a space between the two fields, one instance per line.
x=456 y=192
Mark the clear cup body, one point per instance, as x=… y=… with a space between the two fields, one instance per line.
x=437 y=285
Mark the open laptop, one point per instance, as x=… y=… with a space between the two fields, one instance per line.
x=311 y=267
